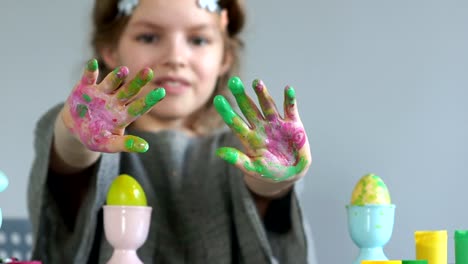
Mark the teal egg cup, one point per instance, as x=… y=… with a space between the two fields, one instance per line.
x=370 y=227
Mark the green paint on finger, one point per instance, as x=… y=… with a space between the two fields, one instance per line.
x=236 y=86
x=82 y=110
x=142 y=106
x=228 y=155
x=253 y=167
x=131 y=90
x=155 y=96
x=256 y=140
x=136 y=144
x=136 y=108
x=136 y=84
x=92 y=65
x=224 y=109
x=291 y=94
x=255 y=83
x=269 y=112
x=87 y=98
x=269 y=173
x=116 y=70
x=245 y=104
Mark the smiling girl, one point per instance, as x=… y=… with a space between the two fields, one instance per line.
x=154 y=104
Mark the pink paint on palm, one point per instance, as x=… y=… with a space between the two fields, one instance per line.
x=91 y=110
x=88 y=80
x=284 y=140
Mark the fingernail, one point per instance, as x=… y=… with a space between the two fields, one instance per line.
x=121 y=72
x=291 y=95
x=155 y=96
x=235 y=85
x=136 y=144
x=147 y=74
x=258 y=85
x=290 y=92
x=92 y=65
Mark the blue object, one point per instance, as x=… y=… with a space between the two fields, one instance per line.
x=3 y=186
x=16 y=239
x=3 y=181
x=370 y=228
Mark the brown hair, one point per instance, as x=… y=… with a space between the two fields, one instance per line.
x=108 y=26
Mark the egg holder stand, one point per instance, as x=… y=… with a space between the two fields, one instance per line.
x=370 y=228
x=126 y=229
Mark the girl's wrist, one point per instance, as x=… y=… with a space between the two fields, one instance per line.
x=266 y=189
x=70 y=155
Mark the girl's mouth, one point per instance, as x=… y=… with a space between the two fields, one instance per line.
x=173 y=86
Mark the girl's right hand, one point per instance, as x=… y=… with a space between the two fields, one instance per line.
x=97 y=114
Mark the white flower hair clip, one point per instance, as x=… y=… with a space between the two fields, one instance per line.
x=210 y=5
x=126 y=7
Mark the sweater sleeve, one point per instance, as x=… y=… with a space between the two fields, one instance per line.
x=53 y=241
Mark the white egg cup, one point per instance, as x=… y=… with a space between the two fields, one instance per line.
x=126 y=229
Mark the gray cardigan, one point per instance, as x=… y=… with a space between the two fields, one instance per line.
x=202 y=211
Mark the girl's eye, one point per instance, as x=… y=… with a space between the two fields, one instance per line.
x=199 y=41
x=147 y=38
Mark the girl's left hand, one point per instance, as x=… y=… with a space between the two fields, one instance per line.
x=277 y=151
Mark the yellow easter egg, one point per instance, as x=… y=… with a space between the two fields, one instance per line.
x=370 y=189
x=125 y=190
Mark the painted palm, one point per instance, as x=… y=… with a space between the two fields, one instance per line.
x=276 y=147
x=98 y=114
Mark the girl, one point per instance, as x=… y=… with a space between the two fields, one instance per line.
x=159 y=118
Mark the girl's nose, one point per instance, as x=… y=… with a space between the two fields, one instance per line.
x=175 y=53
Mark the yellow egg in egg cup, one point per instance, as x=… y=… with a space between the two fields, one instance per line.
x=370 y=218
x=127 y=219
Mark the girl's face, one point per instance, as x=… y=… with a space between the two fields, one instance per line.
x=184 y=46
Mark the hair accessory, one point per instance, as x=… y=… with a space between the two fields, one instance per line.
x=126 y=7
x=210 y=5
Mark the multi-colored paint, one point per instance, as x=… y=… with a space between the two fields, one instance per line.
x=370 y=189
x=275 y=146
x=134 y=87
x=136 y=144
x=99 y=115
x=142 y=105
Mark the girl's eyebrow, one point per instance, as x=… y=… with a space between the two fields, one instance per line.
x=203 y=27
x=146 y=24
x=199 y=27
